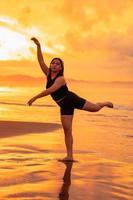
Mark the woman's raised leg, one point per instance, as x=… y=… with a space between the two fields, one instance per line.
x=67 y=127
x=95 y=107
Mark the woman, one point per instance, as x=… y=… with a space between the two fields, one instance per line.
x=67 y=100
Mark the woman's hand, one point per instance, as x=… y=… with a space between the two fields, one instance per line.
x=35 y=41
x=31 y=101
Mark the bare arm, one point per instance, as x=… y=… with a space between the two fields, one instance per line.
x=43 y=66
x=57 y=84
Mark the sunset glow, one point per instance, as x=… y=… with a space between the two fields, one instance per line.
x=66 y=137
x=13 y=45
x=95 y=34
x=7 y=89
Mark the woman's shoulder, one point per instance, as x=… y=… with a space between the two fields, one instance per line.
x=61 y=78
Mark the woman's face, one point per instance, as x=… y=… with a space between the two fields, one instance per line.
x=55 y=65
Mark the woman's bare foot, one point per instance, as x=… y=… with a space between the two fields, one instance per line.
x=109 y=104
x=67 y=159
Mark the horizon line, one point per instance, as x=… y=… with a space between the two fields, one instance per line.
x=69 y=79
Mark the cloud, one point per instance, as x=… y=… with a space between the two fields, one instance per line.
x=96 y=34
x=96 y=19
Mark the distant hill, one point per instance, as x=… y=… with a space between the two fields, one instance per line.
x=21 y=80
x=25 y=80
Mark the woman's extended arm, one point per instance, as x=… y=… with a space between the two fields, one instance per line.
x=57 y=84
x=43 y=66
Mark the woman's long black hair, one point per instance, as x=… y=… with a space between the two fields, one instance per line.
x=62 y=65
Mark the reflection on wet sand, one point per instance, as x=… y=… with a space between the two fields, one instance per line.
x=31 y=140
x=64 y=191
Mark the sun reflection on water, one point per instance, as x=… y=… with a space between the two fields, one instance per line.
x=7 y=89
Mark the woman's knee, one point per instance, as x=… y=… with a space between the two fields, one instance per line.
x=96 y=108
x=92 y=107
x=67 y=129
x=67 y=123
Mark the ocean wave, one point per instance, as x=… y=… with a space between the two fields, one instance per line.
x=123 y=107
x=24 y=104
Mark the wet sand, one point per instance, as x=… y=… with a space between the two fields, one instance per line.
x=32 y=141
x=29 y=167
x=14 y=128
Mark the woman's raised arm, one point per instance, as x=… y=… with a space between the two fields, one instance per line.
x=43 y=66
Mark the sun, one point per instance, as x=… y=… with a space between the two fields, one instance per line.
x=13 y=45
x=15 y=41
x=17 y=46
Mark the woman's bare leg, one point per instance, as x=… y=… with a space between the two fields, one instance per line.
x=67 y=127
x=94 y=107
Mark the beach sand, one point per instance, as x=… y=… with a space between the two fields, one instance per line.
x=15 y=128
x=32 y=141
x=29 y=167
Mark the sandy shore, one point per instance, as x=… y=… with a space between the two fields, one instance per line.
x=14 y=128
x=30 y=170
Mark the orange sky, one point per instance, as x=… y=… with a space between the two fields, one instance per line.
x=94 y=38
